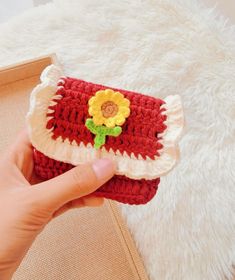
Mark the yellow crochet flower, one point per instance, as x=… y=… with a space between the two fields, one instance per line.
x=109 y=107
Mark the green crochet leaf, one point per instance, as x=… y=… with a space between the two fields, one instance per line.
x=101 y=132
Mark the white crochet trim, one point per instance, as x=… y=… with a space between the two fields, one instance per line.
x=132 y=167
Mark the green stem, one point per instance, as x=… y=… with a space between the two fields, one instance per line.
x=101 y=132
x=99 y=140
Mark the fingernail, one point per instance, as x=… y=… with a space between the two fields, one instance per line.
x=104 y=169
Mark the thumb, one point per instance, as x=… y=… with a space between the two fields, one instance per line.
x=79 y=181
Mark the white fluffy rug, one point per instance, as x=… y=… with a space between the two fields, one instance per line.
x=159 y=48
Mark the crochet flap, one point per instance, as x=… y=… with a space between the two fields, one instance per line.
x=74 y=121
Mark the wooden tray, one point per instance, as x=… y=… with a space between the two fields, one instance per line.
x=86 y=244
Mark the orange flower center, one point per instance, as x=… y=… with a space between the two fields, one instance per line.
x=109 y=109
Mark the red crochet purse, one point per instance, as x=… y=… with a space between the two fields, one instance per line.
x=71 y=121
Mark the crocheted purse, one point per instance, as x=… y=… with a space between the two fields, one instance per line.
x=71 y=121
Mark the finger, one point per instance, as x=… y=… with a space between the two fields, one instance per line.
x=90 y=201
x=20 y=154
x=16 y=164
x=68 y=206
x=22 y=143
x=76 y=183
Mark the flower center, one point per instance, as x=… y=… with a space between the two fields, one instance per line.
x=109 y=109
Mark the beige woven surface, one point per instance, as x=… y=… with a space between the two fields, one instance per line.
x=82 y=244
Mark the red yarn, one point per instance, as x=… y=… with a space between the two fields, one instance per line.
x=140 y=136
x=140 y=132
x=119 y=188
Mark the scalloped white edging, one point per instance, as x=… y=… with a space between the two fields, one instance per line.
x=132 y=167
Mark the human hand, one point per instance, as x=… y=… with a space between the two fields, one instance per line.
x=27 y=207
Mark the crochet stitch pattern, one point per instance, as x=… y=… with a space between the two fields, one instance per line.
x=119 y=188
x=101 y=132
x=109 y=108
x=140 y=132
x=69 y=119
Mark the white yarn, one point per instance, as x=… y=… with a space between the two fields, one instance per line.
x=42 y=97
